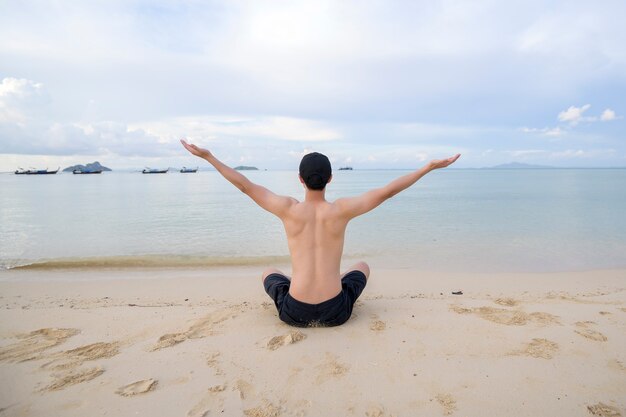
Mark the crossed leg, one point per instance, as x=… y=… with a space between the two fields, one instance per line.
x=269 y=271
x=359 y=266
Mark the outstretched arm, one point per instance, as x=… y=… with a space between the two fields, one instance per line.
x=269 y=201
x=355 y=206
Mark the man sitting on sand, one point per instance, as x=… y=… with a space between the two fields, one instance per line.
x=317 y=293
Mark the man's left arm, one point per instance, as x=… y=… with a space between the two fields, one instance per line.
x=266 y=199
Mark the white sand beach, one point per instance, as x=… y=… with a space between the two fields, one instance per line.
x=191 y=342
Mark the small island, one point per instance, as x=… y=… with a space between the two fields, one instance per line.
x=245 y=168
x=92 y=167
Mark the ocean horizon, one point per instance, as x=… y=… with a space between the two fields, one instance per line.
x=173 y=169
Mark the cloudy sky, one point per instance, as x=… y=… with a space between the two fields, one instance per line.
x=374 y=84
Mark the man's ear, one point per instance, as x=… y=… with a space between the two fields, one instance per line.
x=301 y=180
x=330 y=179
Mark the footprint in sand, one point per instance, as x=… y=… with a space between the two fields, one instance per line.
x=617 y=365
x=213 y=362
x=268 y=409
x=538 y=348
x=585 y=331
x=169 y=339
x=75 y=357
x=199 y=329
x=138 y=387
x=246 y=389
x=447 y=402
x=330 y=369
x=293 y=336
x=378 y=325
x=603 y=410
x=217 y=388
x=209 y=402
x=508 y=302
x=74 y=377
x=32 y=345
x=376 y=411
x=507 y=317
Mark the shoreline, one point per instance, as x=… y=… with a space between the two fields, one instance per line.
x=174 y=262
x=205 y=342
x=97 y=271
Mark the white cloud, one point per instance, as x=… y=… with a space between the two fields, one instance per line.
x=608 y=115
x=20 y=88
x=574 y=114
x=335 y=75
x=421 y=156
x=546 y=131
x=23 y=130
x=26 y=127
x=555 y=131
x=17 y=97
x=268 y=127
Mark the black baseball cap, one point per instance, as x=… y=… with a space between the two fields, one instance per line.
x=315 y=170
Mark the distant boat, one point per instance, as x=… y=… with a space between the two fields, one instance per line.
x=345 y=169
x=78 y=171
x=154 y=171
x=36 y=171
x=189 y=170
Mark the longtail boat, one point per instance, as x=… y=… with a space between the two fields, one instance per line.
x=36 y=171
x=154 y=171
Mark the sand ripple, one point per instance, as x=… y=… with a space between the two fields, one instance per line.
x=31 y=345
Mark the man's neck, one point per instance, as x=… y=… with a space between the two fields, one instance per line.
x=312 y=196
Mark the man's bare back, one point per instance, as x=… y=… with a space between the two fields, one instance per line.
x=315 y=227
x=315 y=233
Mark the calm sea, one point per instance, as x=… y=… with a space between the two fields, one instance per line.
x=452 y=220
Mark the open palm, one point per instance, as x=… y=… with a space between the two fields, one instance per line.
x=442 y=163
x=202 y=153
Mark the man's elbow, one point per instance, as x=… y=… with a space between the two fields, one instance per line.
x=244 y=187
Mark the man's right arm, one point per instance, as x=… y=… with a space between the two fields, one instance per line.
x=266 y=199
x=356 y=206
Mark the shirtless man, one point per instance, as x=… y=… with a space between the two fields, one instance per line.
x=317 y=293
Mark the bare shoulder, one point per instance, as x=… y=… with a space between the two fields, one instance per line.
x=291 y=203
x=343 y=205
x=355 y=206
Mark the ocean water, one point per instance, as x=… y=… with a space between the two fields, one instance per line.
x=451 y=220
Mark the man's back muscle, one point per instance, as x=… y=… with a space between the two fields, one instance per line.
x=315 y=234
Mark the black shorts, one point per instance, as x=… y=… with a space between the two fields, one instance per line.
x=331 y=312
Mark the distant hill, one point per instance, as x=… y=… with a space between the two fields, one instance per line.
x=94 y=166
x=519 y=165
x=245 y=168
